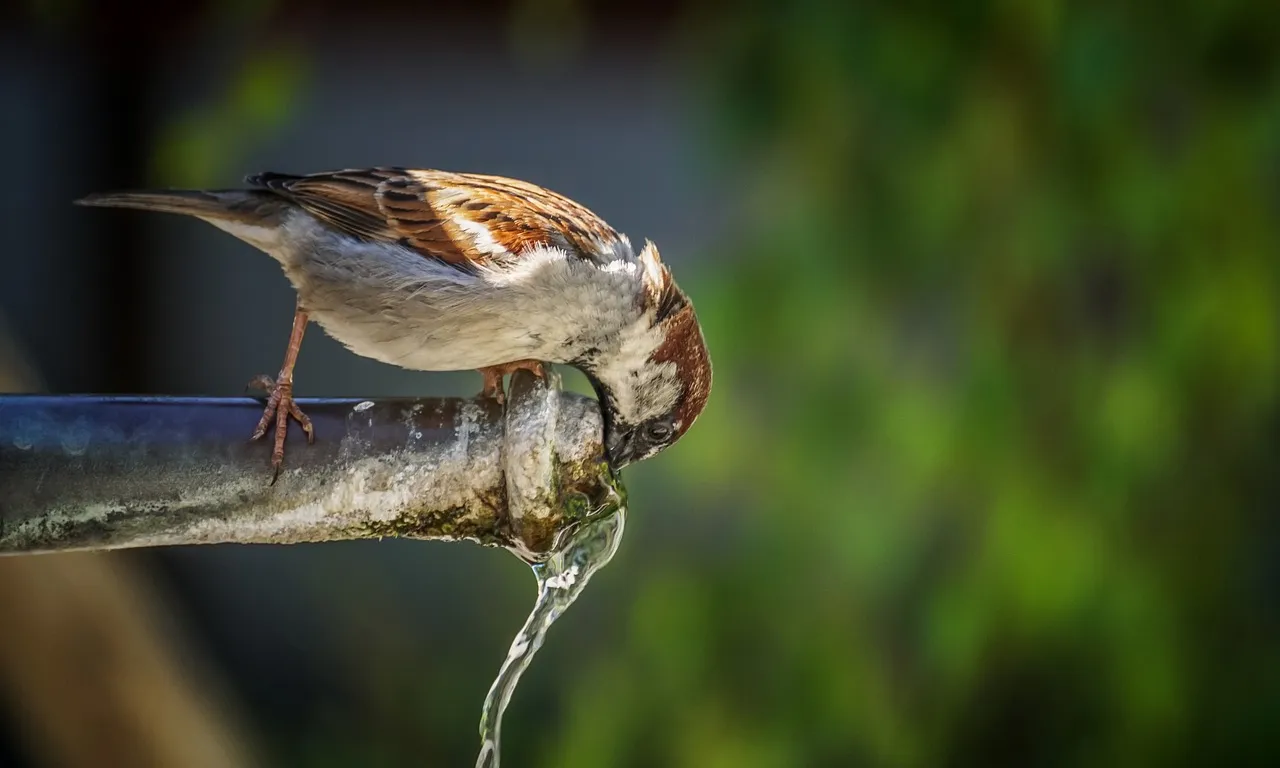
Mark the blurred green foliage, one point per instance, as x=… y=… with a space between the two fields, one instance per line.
x=258 y=98
x=193 y=149
x=996 y=346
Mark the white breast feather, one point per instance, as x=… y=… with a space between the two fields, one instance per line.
x=392 y=304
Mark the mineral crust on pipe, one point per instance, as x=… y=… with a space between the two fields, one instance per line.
x=85 y=472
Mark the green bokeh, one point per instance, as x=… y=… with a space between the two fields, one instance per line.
x=995 y=343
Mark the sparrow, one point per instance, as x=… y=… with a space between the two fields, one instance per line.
x=435 y=270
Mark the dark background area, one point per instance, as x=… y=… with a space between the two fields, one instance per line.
x=988 y=476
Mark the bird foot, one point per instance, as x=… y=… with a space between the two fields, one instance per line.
x=280 y=406
x=494 y=373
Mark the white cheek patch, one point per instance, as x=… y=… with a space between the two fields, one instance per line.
x=641 y=389
x=657 y=393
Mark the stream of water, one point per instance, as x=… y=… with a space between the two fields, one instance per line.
x=560 y=580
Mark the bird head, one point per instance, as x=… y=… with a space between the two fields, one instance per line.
x=654 y=384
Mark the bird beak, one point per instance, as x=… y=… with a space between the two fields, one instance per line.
x=618 y=448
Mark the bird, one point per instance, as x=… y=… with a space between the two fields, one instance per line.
x=436 y=270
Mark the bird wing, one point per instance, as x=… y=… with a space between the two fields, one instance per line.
x=462 y=219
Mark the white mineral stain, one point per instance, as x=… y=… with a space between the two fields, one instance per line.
x=76 y=439
x=372 y=490
x=24 y=438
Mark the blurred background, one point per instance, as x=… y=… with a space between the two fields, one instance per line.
x=989 y=472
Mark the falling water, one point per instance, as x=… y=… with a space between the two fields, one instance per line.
x=561 y=579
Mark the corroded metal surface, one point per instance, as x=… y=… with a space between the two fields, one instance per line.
x=108 y=472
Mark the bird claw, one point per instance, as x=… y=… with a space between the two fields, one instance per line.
x=493 y=377
x=280 y=406
x=494 y=393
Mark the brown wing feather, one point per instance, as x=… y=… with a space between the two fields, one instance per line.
x=459 y=218
x=344 y=199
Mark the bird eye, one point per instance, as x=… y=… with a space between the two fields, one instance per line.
x=658 y=432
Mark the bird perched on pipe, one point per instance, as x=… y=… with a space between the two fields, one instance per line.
x=433 y=270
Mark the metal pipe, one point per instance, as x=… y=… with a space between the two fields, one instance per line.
x=84 y=472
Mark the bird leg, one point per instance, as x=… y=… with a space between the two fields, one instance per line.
x=280 y=404
x=494 y=373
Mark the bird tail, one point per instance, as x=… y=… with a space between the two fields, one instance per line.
x=232 y=206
